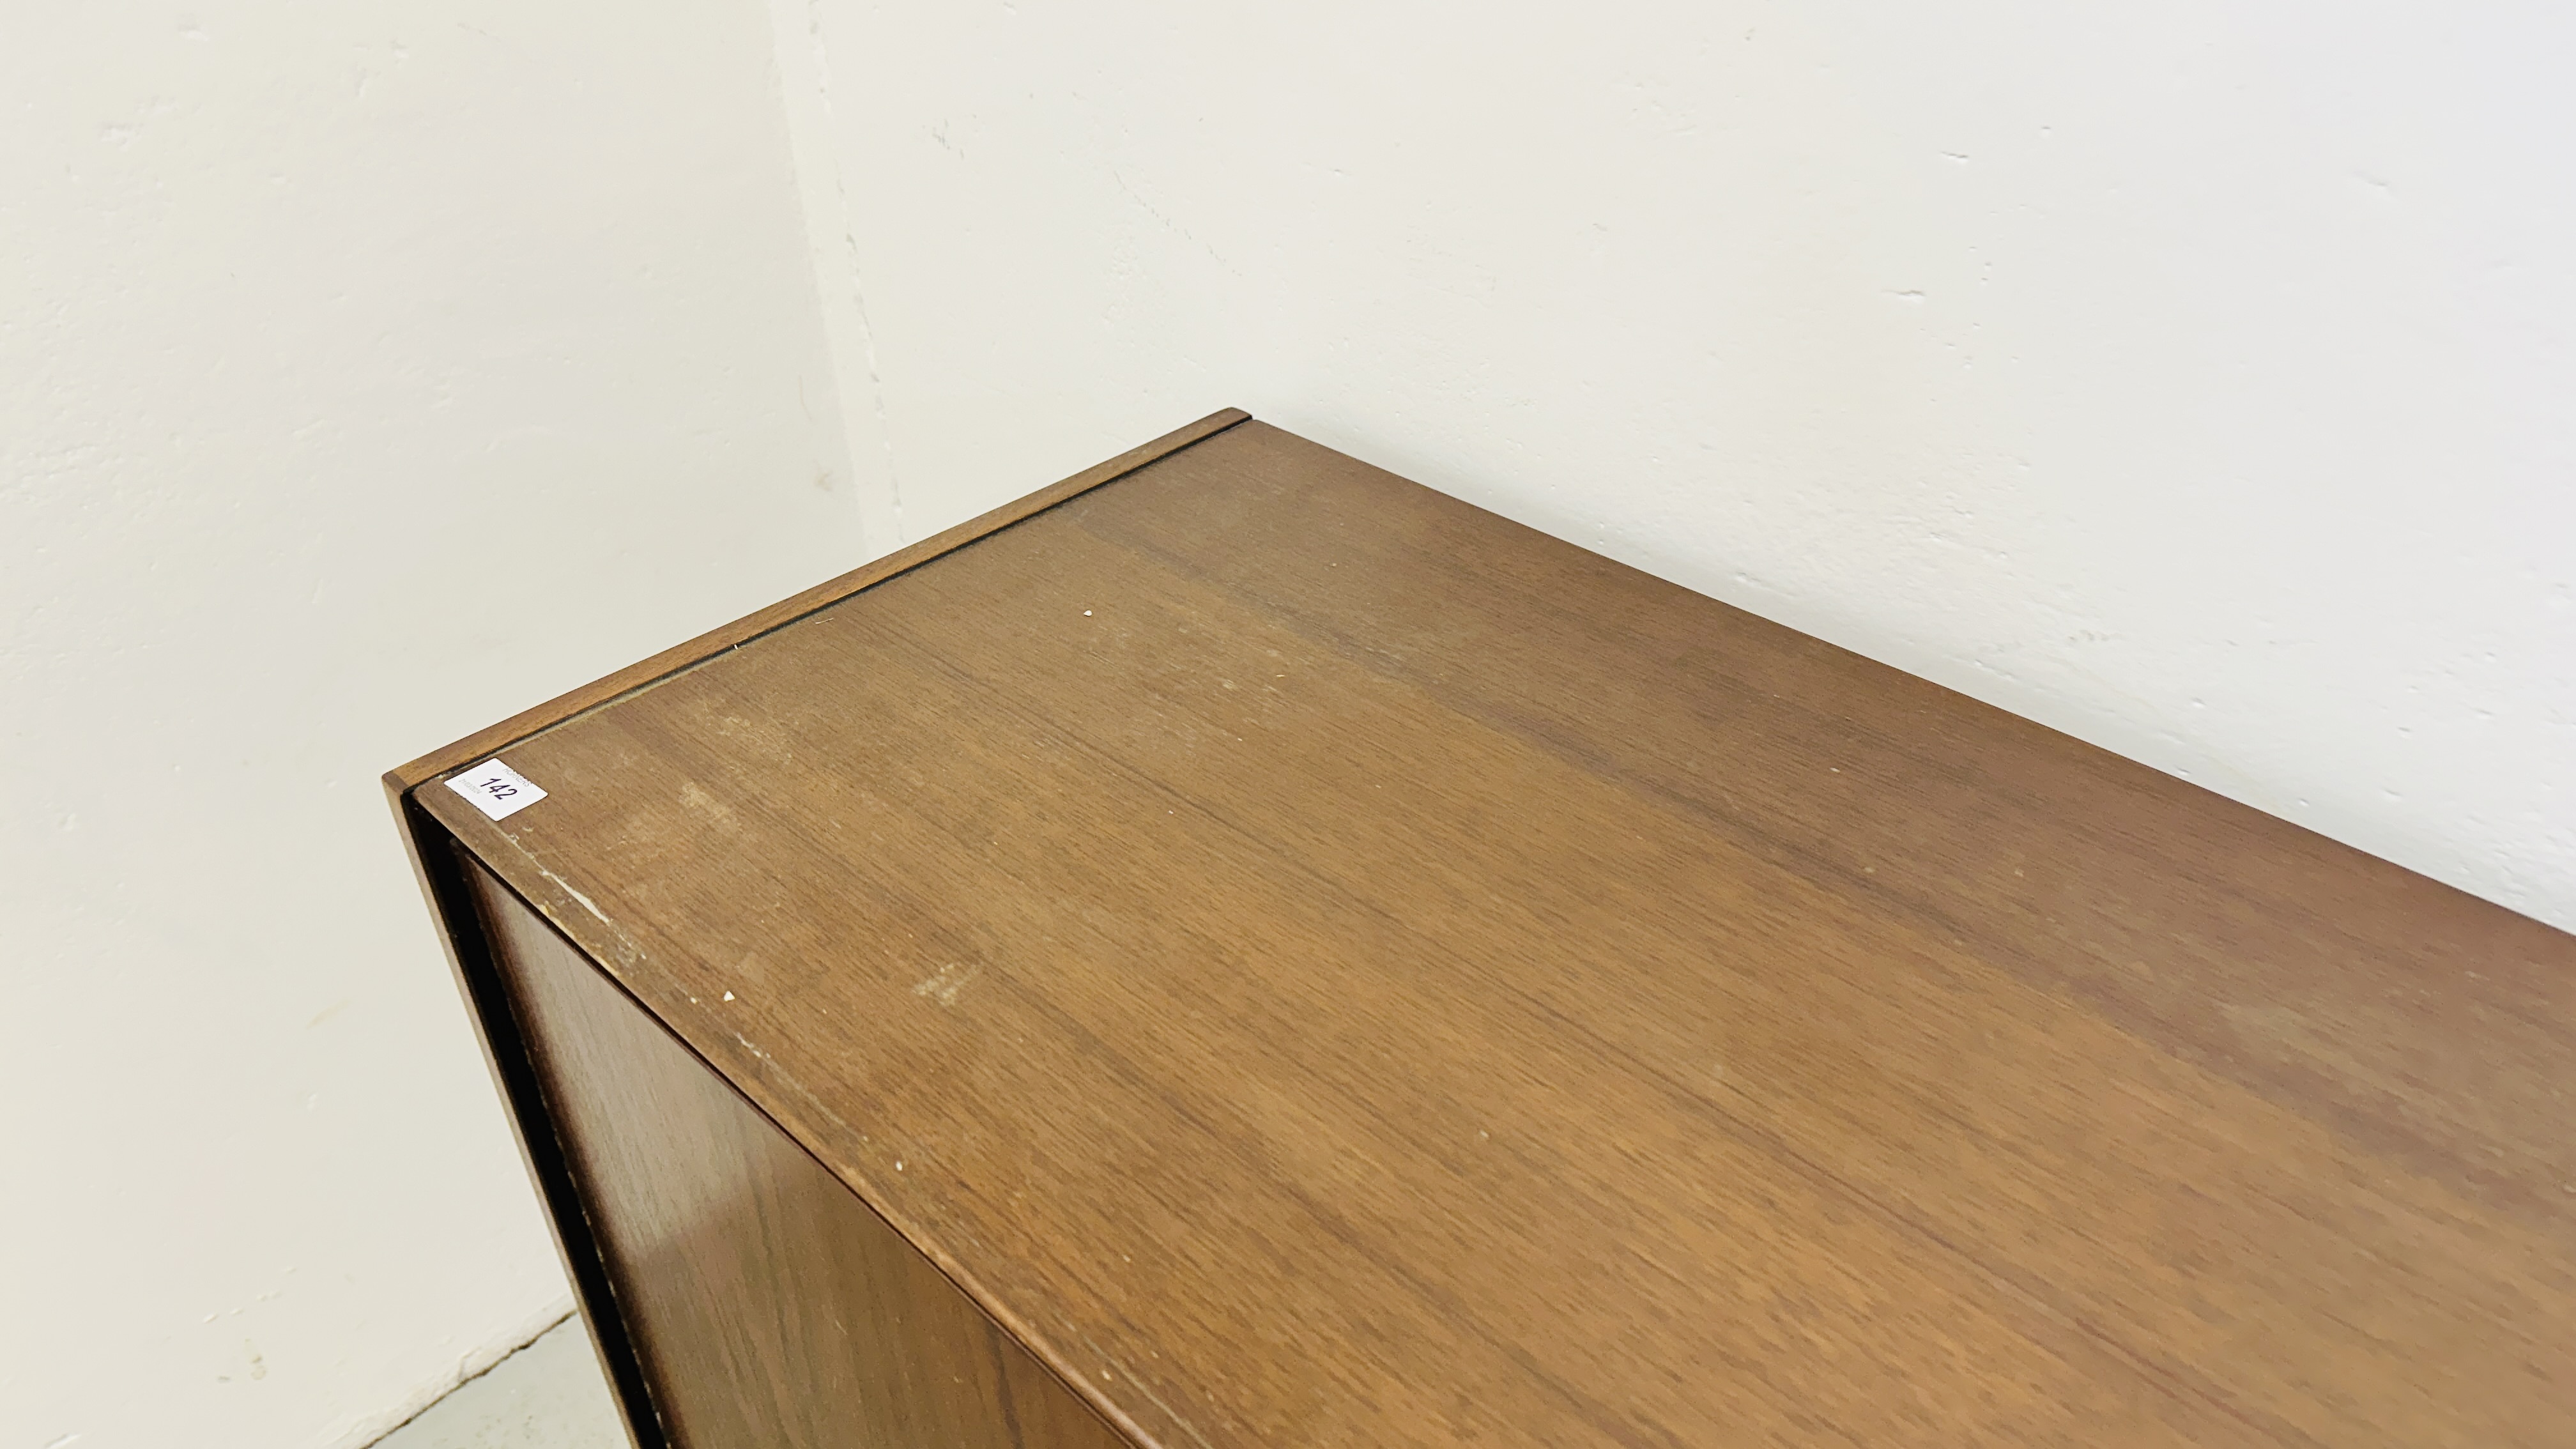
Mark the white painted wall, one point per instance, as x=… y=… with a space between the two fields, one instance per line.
x=2195 y=379
x=367 y=373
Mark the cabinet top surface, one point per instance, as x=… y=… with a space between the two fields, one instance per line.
x=1324 y=964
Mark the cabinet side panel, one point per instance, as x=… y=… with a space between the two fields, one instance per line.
x=443 y=871
x=768 y=1305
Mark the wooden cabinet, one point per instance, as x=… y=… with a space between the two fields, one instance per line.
x=1239 y=949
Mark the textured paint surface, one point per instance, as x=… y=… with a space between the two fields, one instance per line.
x=365 y=376
x=2192 y=380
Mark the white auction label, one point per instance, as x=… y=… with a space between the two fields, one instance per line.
x=496 y=789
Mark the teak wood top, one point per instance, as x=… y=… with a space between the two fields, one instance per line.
x=1322 y=964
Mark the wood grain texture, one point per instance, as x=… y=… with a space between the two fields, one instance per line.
x=1321 y=963
x=768 y=1306
x=479 y=746
x=442 y=872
